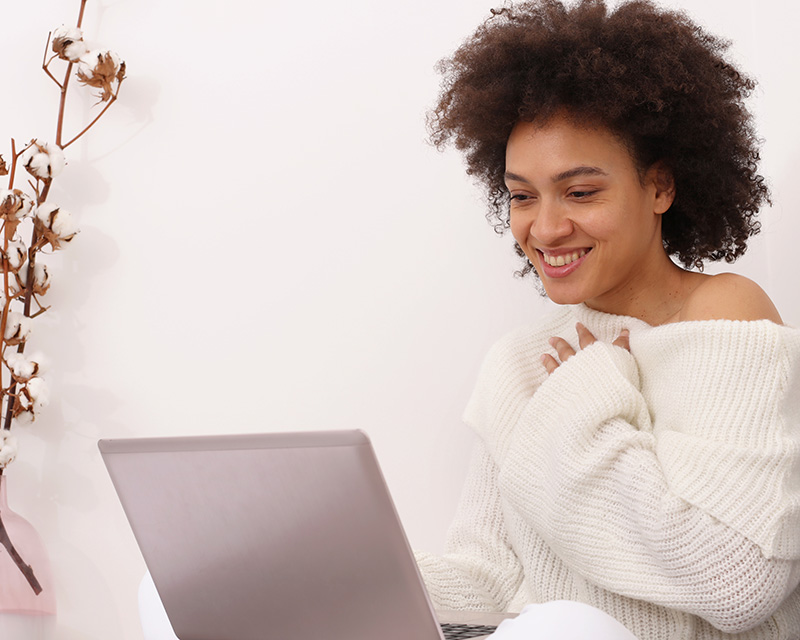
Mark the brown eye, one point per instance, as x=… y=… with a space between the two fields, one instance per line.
x=578 y=195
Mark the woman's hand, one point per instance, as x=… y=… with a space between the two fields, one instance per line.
x=585 y=338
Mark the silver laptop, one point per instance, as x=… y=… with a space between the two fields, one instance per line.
x=284 y=535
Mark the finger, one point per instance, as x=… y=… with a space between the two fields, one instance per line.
x=563 y=348
x=623 y=340
x=550 y=363
x=585 y=337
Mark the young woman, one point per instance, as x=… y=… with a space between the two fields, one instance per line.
x=639 y=450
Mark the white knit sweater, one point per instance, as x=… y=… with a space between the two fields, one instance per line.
x=660 y=485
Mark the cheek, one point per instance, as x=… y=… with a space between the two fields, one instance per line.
x=520 y=228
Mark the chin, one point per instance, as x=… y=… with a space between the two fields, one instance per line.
x=559 y=296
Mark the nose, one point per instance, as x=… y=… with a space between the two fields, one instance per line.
x=551 y=223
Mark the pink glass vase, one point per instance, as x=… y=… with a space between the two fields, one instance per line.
x=27 y=597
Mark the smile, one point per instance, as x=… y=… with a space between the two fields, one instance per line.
x=564 y=259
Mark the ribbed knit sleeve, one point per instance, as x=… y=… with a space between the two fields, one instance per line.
x=667 y=475
x=725 y=399
x=479 y=570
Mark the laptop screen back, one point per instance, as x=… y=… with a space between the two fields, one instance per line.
x=271 y=536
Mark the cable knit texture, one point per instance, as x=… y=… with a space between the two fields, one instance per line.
x=661 y=485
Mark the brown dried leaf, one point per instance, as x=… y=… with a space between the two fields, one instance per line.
x=15 y=288
x=3 y=167
x=18 y=408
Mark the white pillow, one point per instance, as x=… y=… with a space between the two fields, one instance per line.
x=562 y=619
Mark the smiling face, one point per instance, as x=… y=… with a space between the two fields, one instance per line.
x=584 y=215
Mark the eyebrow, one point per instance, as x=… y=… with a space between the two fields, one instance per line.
x=564 y=175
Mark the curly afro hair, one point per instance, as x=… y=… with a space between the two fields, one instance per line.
x=651 y=76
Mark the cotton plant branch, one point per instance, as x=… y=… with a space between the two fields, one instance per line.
x=26 y=569
x=26 y=279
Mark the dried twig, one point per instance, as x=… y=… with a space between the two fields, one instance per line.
x=51 y=225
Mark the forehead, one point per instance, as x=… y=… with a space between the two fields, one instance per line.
x=561 y=143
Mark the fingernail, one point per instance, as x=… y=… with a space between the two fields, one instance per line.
x=552 y=342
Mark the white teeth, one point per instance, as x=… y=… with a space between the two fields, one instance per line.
x=564 y=258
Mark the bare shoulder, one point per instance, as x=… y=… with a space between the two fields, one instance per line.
x=729 y=296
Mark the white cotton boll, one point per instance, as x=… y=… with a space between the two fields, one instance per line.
x=35 y=160
x=102 y=70
x=43 y=160
x=21 y=368
x=41 y=278
x=38 y=392
x=75 y=50
x=68 y=43
x=63 y=224
x=67 y=33
x=55 y=224
x=92 y=61
x=39 y=165
x=8 y=448
x=58 y=220
x=16 y=254
x=88 y=61
x=15 y=204
x=45 y=212
x=18 y=328
x=114 y=58
x=57 y=158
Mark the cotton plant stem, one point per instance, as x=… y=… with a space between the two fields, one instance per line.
x=13 y=169
x=62 y=103
x=26 y=569
x=80 y=13
x=92 y=123
x=64 y=86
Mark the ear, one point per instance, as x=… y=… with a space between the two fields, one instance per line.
x=662 y=179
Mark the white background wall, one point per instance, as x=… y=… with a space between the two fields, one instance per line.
x=268 y=243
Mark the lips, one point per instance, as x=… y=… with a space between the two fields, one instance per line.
x=562 y=264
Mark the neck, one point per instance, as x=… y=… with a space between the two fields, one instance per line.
x=655 y=296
